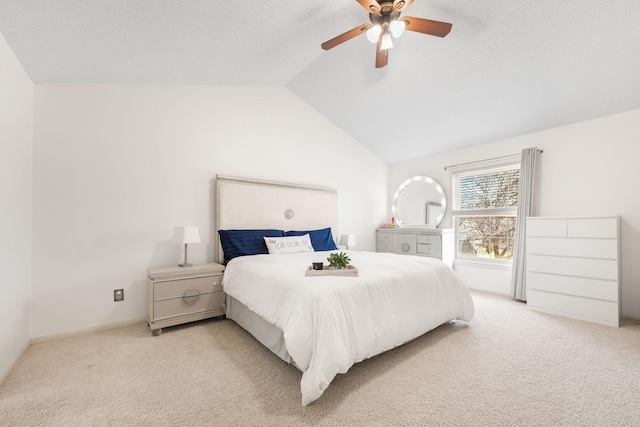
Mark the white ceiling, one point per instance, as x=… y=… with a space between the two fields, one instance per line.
x=507 y=68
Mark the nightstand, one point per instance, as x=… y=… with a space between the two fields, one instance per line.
x=177 y=295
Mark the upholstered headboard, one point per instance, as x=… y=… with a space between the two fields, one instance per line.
x=243 y=203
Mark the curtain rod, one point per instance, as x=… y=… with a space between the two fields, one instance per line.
x=540 y=150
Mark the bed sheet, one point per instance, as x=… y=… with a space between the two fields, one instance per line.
x=331 y=322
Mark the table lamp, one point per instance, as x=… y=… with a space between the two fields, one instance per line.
x=347 y=240
x=186 y=235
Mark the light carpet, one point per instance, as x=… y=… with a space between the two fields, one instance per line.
x=508 y=366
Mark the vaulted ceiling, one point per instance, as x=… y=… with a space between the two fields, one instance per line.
x=507 y=68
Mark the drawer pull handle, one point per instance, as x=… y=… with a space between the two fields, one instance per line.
x=405 y=247
x=191 y=296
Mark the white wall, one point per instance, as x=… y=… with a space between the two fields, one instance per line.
x=116 y=167
x=589 y=168
x=16 y=142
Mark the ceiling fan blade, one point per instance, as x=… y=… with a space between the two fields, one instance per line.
x=427 y=26
x=382 y=56
x=372 y=6
x=345 y=36
x=400 y=5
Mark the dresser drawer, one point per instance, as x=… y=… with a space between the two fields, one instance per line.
x=546 y=227
x=427 y=239
x=606 y=269
x=177 y=288
x=385 y=246
x=599 y=289
x=385 y=242
x=596 y=227
x=591 y=310
x=385 y=237
x=569 y=247
x=179 y=307
x=428 y=249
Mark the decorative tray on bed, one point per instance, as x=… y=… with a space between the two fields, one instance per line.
x=350 y=271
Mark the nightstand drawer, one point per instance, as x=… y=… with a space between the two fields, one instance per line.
x=179 y=307
x=177 y=288
x=167 y=288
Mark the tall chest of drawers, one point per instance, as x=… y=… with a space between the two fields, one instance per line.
x=573 y=267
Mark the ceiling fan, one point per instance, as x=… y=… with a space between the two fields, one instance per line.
x=386 y=22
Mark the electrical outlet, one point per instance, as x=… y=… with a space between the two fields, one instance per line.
x=118 y=294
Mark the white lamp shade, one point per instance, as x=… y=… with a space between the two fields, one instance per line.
x=373 y=33
x=185 y=234
x=347 y=240
x=396 y=28
x=386 y=42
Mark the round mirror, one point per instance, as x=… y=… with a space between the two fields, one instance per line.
x=419 y=201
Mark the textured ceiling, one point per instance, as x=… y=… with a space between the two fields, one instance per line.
x=507 y=68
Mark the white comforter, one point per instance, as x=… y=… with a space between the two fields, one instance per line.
x=330 y=323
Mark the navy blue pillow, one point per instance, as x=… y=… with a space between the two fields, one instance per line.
x=321 y=240
x=237 y=243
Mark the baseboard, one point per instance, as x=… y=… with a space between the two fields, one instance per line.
x=492 y=292
x=630 y=317
x=48 y=338
x=6 y=373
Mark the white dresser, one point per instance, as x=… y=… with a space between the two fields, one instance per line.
x=573 y=267
x=422 y=241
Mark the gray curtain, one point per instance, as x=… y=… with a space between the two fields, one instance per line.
x=526 y=207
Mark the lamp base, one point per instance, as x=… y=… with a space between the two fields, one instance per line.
x=185 y=263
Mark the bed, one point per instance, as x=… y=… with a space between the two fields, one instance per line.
x=321 y=324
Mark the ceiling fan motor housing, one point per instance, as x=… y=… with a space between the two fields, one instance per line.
x=384 y=19
x=386 y=7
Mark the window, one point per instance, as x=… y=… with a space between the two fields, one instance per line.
x=485 y=205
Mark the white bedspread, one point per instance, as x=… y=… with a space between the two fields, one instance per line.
x=330 y=323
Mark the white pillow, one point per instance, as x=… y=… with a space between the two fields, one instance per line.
x=289 y=244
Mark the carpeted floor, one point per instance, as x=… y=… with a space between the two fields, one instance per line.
x=508 y=366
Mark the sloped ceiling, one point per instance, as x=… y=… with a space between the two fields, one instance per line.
x=507 y=68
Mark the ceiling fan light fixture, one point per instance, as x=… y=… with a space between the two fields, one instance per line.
x=396 y=28
x=386 y=24
x=373 y=33
x=386 y=41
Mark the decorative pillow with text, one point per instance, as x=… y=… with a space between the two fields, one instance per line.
x=322 y=240
x=288 y=245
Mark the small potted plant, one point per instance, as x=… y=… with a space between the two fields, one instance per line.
x=338 y=261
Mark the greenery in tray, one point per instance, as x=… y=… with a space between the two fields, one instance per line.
x=339 y=261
